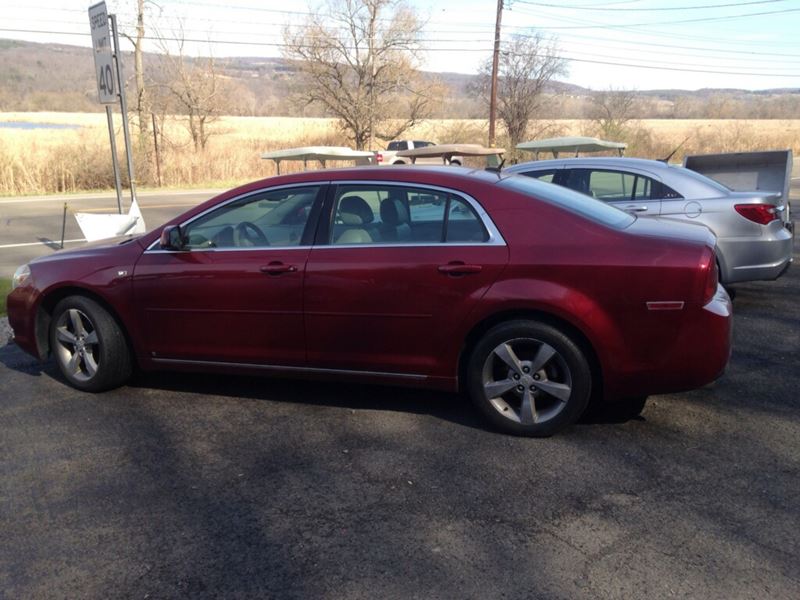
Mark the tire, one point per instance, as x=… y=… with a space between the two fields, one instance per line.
x=538 y=388
x=88 y=345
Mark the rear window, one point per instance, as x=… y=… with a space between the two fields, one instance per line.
x=585 y=206
x=702 y=179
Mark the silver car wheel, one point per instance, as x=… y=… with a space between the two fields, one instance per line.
x=77 y=345
x=527 y=381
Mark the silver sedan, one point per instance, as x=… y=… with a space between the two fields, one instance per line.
x=754 y=234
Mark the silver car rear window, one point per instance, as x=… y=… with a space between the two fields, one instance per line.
x=701 y=178
x=587 y=207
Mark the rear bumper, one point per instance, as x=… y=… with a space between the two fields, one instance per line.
x=697 y=356
x=755 y=258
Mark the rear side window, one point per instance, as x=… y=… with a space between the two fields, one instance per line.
x=667 y=193
x=597 y=211
x=611 y=186
x=384 y=214
x=546 y=175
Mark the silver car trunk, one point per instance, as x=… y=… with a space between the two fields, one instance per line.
x=767 y=171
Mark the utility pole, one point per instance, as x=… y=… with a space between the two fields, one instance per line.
x=495 y=65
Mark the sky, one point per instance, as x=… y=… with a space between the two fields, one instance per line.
x=630 y=44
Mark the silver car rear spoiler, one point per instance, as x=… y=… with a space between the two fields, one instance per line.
x=767 y=171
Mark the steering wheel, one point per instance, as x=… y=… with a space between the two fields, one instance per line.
x=248 y=234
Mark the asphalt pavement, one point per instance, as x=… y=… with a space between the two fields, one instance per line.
x=30 y=226
x=234 y=487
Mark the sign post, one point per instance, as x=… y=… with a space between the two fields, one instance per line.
x=110 y=87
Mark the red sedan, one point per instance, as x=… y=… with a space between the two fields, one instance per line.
x=530 y=297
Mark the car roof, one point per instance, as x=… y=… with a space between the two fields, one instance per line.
x=688 y=183
x=447 y=176
x=606 y=161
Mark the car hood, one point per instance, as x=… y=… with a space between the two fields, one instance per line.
x=673 y=229
x=91 y=248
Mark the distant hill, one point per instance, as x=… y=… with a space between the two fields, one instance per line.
x=58 y=77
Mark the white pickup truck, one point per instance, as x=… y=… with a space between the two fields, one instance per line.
x=389 y=156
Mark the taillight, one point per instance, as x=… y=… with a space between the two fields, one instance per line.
x=763 y=214
x=378 y=157
x=711 y=281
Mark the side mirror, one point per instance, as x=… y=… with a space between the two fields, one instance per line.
x=172 y=238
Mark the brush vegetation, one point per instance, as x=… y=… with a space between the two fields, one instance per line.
x=44 y=161
x=5 y=290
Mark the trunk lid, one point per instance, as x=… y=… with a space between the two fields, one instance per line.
x=766 y=172
x=674 y=229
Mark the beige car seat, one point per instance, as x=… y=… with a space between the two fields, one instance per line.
x=355 y=213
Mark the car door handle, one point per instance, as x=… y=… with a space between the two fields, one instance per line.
x=459 y=268
x=277 y=268
x=636 y=208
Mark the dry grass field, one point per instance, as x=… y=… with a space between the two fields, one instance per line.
x=51 y=160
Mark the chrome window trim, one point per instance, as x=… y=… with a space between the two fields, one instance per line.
x=250 y=249
x=152 y=247
x=495 y=237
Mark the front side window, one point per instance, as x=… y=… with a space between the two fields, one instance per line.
x=269 y=218
x=384 y=214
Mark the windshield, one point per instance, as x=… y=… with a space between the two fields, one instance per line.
x=596 y=210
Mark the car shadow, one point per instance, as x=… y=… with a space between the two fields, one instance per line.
x=453 y=407
x=450 y=407
x=13 y=358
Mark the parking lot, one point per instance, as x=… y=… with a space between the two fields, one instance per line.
x=201 y=486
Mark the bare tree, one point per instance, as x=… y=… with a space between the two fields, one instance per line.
x=527 y=64
x=612 y=110
x=357 y=59
x=196 y=87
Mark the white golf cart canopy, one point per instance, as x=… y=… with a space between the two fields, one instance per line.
x=449 y=151
x=573 y=145
x=319 y=153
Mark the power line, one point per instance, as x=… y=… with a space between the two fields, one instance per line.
x=679 y=22
x=649 y=9
x=650 y=32
x=571 y=59
x=636 y=44
x=244 y=36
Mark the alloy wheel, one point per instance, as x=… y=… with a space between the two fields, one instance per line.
x=527 y=381
x=77 y=344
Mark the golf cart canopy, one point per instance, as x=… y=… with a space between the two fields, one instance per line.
x=448 y=151
x=574 y=145
x=319 y=153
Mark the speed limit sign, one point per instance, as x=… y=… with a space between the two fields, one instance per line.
x=103 y=56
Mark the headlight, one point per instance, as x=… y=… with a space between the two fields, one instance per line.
x=21 y=276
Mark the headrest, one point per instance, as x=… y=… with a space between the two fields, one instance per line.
x=354 y=210
x=394 y=212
